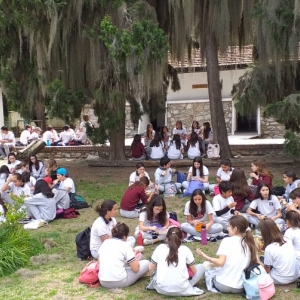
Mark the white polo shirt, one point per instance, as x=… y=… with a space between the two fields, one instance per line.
x=99 y=229
x=135 y=177
x=19 y=190
x=219 y=203
x=224 y=176
x=208 y=210
x=266 y=207
x=67 y=183
x=24 y=137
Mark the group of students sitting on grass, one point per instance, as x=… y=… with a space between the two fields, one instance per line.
x=236 y=208
x=159 y=144
x=45 y=190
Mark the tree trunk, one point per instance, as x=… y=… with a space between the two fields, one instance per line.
x=40 y=113
x=215 y=96
x=117 y=138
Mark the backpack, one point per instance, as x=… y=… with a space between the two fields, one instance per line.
x=194 y=184
x=89 y=274
x=77 y=201
x=213 y=150
x=181 y=177
x=82 y=241
x=170 y=189
x=252 y=275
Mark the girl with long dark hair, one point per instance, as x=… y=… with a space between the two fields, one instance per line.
x=36 y=167
x=169 y=262
x=175 y=148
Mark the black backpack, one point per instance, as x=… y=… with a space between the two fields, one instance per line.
x=77 y=201
x=82 y=241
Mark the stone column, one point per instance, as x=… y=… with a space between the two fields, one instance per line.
x=144 y=121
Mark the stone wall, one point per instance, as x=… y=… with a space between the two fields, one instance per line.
x=199 y=111
x=270 y=129
x=130 y=131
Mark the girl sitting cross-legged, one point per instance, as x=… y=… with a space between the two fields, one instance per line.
x=137 y=148
x=264 y=206
x=175 y=148
x=170 y=263
x=153 y=221
x=119 y=266
x=279 y=258
x=197 y=210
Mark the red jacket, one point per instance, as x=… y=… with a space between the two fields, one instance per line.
x=138 y=150
x=132 y=196
x=240 y=200
x=263 y=178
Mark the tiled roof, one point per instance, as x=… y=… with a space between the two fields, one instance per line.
x=233 y=57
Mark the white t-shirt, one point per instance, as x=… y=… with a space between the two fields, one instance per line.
x=236 y=261
x=153 y=222
x=266 y=207
x=173 y=152
x=208 y=208
x=224 y=176
x=67 y=183
x=157 y=152
x=99 y=229
x=19 y=190
x=114 y=255
x=293 y=235
x=47 y=136
x=9 y=136
x=283 y=261
x=134 y=177
x=12 y=166
x=66 y=136
x=3 y=178
x=172 y=278
x=205 y=171
x=24 y=137
x=40 y=172
x=34 y=136
x=179 y=131
x=194 y=150
x=220 y=202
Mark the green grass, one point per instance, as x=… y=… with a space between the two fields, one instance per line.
x=55 y=276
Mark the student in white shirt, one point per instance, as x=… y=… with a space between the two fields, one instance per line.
x=197 y=210
x=223 y=204
x=65 y=137
x=293 y=232
x=235 y=253
x=279 y=257
x=175 y=148
x=7 y=141
x=12 y=162
x=36 y=167
x=193 y=146
x=264 y=206
x=16 y=186
x=103 y=225
x=156 y=148
x=119 y=266
x=138 y=173
x=25 y=135
x=35 y=134
x=197 y=172
x=169 y=262
x=223 y=173
x=65 y=182
x=181 y=132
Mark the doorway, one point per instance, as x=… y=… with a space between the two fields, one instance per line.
x=246 y=123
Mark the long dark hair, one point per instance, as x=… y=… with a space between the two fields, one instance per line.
x=199 y=160
x=9 y=155
x=291 y=174
x=262 y=167
x=42 y=186
x=193 y=206
x=36 y=163
x=157 y=201
x=136 y=140
x=156 y=140
x=259 y=187
x=25 y=176
x=177 y=141
x=206 y=130
x=4 y=170
x=294 y=218
x=242 y=226
x=107 y=205
x=162 y=133
x=193 y=140
x=270 y=232
x=197 y=123
x=239 y=183
x=148 y=133
x=174 y=237
x=143 y=181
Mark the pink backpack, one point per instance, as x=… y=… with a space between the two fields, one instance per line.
x=266 y=287
x=89 y=274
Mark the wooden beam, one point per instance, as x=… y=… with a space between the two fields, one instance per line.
x=200 y=86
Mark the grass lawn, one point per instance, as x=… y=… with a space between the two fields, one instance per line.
x=54 y=273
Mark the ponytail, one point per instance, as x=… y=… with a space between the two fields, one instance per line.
x=249 y=240
x=174 y=237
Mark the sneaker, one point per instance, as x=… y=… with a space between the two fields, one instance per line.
x=225 y=231
x=211 y=194
x=147 y=242
x=212 y=239
x=24 y=221
x=189 y=239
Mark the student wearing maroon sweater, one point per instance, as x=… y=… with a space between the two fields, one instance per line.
x=135 y=194
x=137 y=148
x=241 y=192
x=260 y=173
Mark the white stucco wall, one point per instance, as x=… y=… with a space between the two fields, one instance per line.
x=229 y=77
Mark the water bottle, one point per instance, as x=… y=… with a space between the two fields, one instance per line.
x=140 y=239
x=203 y=235
x=48 y=143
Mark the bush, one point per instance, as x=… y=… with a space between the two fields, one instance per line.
x=16 y=244
x=292 y=143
